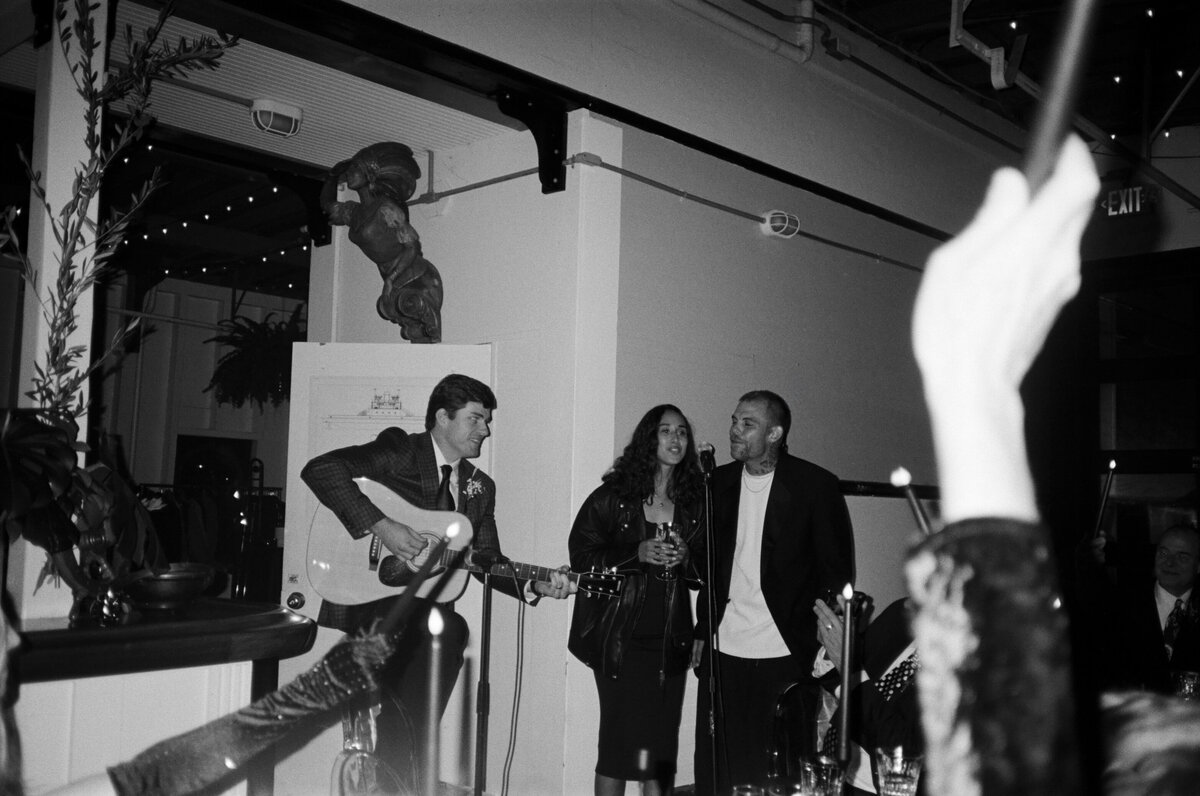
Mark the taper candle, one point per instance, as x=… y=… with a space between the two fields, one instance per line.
x=432 y=751
x=903 y=479
x=843 y=750
x=1112 y=466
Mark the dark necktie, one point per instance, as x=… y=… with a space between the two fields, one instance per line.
x=445 y=502
x=1171 y=631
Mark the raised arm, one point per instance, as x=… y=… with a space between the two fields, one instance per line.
x=995 y=686
x=986 y=303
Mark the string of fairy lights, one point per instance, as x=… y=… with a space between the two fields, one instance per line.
x=289 y=278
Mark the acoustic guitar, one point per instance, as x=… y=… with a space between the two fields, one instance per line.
x=351 y=571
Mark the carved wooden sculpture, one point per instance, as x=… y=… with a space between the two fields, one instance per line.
x=385 y=175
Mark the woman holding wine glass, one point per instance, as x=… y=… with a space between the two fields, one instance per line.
x=645 y=519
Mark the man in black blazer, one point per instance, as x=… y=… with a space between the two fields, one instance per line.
x=1151 y=638
x=457 y=421
x=781 y=538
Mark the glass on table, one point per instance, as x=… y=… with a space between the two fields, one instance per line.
x=787 y=787
x=898 y=771
x=821 y=776
x=1187 y=684
x=746 y=790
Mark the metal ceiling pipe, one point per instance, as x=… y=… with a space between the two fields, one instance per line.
x=800 y=52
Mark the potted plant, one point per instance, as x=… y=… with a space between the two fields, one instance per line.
x=45 y=496
x=258 y=365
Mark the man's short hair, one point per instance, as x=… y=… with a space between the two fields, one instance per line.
x=453 y=393
x=777 y=410
x=1182 y=528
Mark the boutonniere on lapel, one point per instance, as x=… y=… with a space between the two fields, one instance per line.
x=473 y=488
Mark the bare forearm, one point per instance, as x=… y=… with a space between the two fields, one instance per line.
x=982 y=462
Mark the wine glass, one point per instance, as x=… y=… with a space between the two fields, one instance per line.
x=668 y=532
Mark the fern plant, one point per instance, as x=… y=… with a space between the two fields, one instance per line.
x=258 y=365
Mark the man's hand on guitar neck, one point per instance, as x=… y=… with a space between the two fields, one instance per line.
x=559 y=587
x=398 y=538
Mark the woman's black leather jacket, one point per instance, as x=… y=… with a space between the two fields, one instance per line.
x=606 y=535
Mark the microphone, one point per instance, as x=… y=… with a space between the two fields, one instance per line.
x=708 y=462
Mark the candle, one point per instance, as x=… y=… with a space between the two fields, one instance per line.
x=432 y=757
x=1057 y=108
x=902 y=479
x=1112 y=466
x=843 y=750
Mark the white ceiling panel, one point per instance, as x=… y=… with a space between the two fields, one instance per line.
x=341 y=113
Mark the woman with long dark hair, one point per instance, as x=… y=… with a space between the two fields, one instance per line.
x=645 y=519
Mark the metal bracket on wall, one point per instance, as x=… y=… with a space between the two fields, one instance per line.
x=547 y=121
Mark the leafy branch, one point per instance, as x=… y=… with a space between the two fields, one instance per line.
x=51 y=501
x=84 y=246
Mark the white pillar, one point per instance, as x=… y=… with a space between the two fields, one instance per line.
x=58 y=148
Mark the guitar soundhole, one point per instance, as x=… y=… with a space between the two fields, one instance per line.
x=393 y=571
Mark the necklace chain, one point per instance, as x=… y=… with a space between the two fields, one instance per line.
x=748 y=483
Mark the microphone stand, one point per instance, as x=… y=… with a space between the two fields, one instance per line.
x=710 y=651
x=483 y=690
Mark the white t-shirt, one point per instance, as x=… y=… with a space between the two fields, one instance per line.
x=747 y=629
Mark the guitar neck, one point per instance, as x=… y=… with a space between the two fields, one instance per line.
x=462 y=560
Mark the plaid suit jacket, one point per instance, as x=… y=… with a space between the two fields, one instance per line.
x=406 y=464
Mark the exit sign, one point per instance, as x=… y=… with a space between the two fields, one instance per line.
x=1132 y=200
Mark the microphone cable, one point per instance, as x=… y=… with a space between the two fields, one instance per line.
x=510 y=753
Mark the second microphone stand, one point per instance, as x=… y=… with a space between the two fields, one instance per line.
x=713 y=680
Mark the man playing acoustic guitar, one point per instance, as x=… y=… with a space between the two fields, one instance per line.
x=417 y=467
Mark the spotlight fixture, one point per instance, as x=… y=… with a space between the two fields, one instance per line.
x=275 y=117
x=780 y=224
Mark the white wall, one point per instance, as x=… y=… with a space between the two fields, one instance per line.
x=710 y=307
x=826 y=120
x=72 y=730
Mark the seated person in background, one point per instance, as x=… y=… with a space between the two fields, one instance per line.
x=884 y=711
x=1149 y=630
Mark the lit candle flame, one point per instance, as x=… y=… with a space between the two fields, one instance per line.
x=436 y=623
x=847 y=592
x=901 y=477
x=1112 y=464
x=452 y=531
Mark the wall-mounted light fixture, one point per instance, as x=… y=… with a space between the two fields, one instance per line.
x=272 y=116
x=780 y=224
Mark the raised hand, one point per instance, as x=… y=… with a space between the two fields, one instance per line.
x=986 y=303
